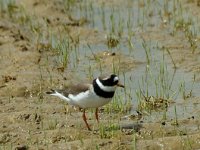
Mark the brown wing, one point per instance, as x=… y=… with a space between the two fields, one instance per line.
x=74 y=89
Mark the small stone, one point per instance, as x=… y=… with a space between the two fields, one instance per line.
x=21 y=147
x=163 y=123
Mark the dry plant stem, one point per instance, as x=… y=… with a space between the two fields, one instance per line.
x=172 y=59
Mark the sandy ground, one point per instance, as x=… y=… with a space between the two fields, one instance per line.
x=29 y=119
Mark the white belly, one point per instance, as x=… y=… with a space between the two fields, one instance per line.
x=88 y=100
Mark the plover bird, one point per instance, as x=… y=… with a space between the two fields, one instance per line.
x=94 y=95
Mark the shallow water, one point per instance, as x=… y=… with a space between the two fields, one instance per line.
x=139 y=20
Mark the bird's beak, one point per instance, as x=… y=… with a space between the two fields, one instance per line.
x=120 y=85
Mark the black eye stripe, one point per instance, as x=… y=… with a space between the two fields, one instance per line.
x=111 y=80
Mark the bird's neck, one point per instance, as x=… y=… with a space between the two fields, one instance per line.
x=99 y=89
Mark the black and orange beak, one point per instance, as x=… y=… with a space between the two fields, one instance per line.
x=120 y=85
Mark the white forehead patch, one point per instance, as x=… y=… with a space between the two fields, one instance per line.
x=116 y=79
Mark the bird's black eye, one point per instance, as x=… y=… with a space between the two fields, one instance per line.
x=115 y=80
x=111 y=80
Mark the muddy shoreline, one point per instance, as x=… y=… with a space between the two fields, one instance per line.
x=33 y=60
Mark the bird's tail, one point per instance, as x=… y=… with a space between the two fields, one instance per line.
x=51 y=92
x=59 y=94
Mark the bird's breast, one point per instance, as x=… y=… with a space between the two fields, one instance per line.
x=89 y=99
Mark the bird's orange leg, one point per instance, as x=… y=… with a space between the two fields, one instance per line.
x=85 y=120
x=96 y=115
